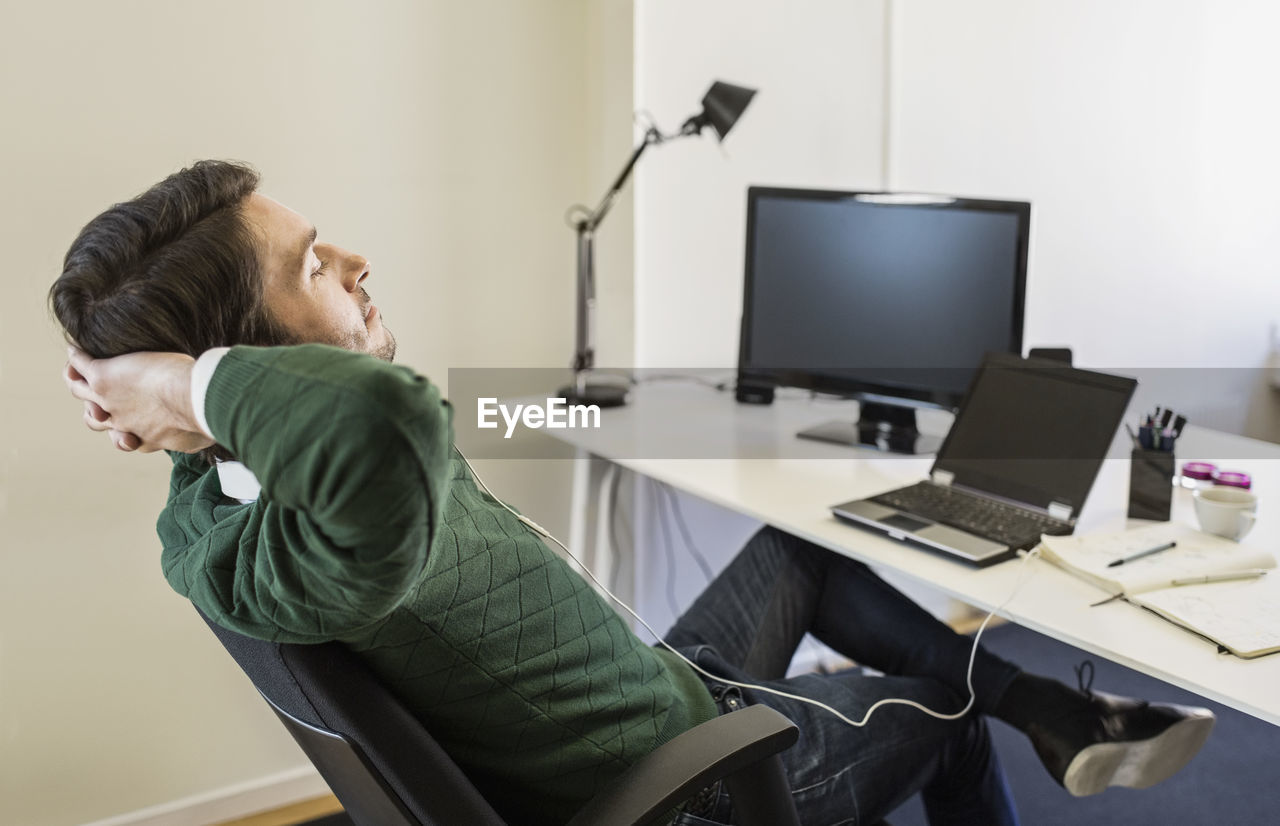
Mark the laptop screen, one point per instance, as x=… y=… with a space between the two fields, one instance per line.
x=1034 y=431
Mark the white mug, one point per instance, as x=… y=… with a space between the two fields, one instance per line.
x=1226 y=511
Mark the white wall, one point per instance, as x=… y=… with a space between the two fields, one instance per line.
x=442 y=139
x=817 y=120
x=1135 y=130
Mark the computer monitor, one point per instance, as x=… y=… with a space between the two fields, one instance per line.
x=890 y=298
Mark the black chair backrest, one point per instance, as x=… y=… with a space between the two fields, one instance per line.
x=378 y=760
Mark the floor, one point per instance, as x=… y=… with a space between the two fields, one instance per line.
x=299 y=813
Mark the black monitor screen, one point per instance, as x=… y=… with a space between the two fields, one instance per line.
x=875 y=293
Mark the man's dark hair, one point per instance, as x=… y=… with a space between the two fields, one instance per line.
x=173 y=270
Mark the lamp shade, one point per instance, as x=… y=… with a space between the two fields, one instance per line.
x=722 y=105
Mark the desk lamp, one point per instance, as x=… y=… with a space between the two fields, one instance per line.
x=722 y=105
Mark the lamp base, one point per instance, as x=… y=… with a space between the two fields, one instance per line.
x=601 y=395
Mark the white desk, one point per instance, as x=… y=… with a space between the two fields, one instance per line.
x=747 y=458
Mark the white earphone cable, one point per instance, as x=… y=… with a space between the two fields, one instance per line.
x=1022 y=578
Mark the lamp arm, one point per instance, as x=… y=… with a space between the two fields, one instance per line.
x=651 y=136
x=589 y=223
x=585 y=305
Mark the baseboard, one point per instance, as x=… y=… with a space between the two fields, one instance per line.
x=239 y=800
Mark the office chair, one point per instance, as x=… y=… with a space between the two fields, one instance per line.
x=386 y=770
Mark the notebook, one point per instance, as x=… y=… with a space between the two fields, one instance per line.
x=1239 y=615
x=1018 y=462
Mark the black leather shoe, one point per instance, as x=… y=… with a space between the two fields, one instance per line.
x=1119 y=741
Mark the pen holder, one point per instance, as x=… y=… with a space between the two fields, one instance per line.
x=1150 y=484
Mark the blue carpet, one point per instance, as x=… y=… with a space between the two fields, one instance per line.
x=1233 y=781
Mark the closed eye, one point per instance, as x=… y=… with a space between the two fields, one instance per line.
x=320 y=270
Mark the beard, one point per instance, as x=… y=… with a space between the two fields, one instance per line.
x=357 y=338
x=357 y=341
x=386 y=350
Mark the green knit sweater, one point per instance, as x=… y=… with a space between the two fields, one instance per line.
x=370 y=530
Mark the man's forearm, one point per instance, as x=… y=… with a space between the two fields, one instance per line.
x=359 y=445
x=353 y=455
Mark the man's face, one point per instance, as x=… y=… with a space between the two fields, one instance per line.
x=315 y=290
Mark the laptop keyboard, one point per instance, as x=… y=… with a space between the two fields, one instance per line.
x=1007 y=524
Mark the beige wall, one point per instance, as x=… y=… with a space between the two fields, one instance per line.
x=442 y=139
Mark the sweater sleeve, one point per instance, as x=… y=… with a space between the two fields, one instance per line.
x=353 y=457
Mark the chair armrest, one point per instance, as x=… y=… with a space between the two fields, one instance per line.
x=682 y=767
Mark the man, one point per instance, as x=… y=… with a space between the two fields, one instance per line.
x=316 y=496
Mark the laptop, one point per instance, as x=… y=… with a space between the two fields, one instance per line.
x=1019 y=461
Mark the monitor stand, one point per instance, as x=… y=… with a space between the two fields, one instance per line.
x=888 y=427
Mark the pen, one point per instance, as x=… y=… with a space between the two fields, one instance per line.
x=1227 y=577
x=1140 y=554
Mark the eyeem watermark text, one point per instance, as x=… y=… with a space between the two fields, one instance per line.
x=556 y=414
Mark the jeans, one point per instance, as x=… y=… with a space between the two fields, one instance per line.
x=746 y=627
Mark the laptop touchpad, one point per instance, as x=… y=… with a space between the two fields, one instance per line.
x=904 y=523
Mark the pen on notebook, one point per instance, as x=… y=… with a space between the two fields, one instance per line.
x=1226 y=577
x=1140 y=554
